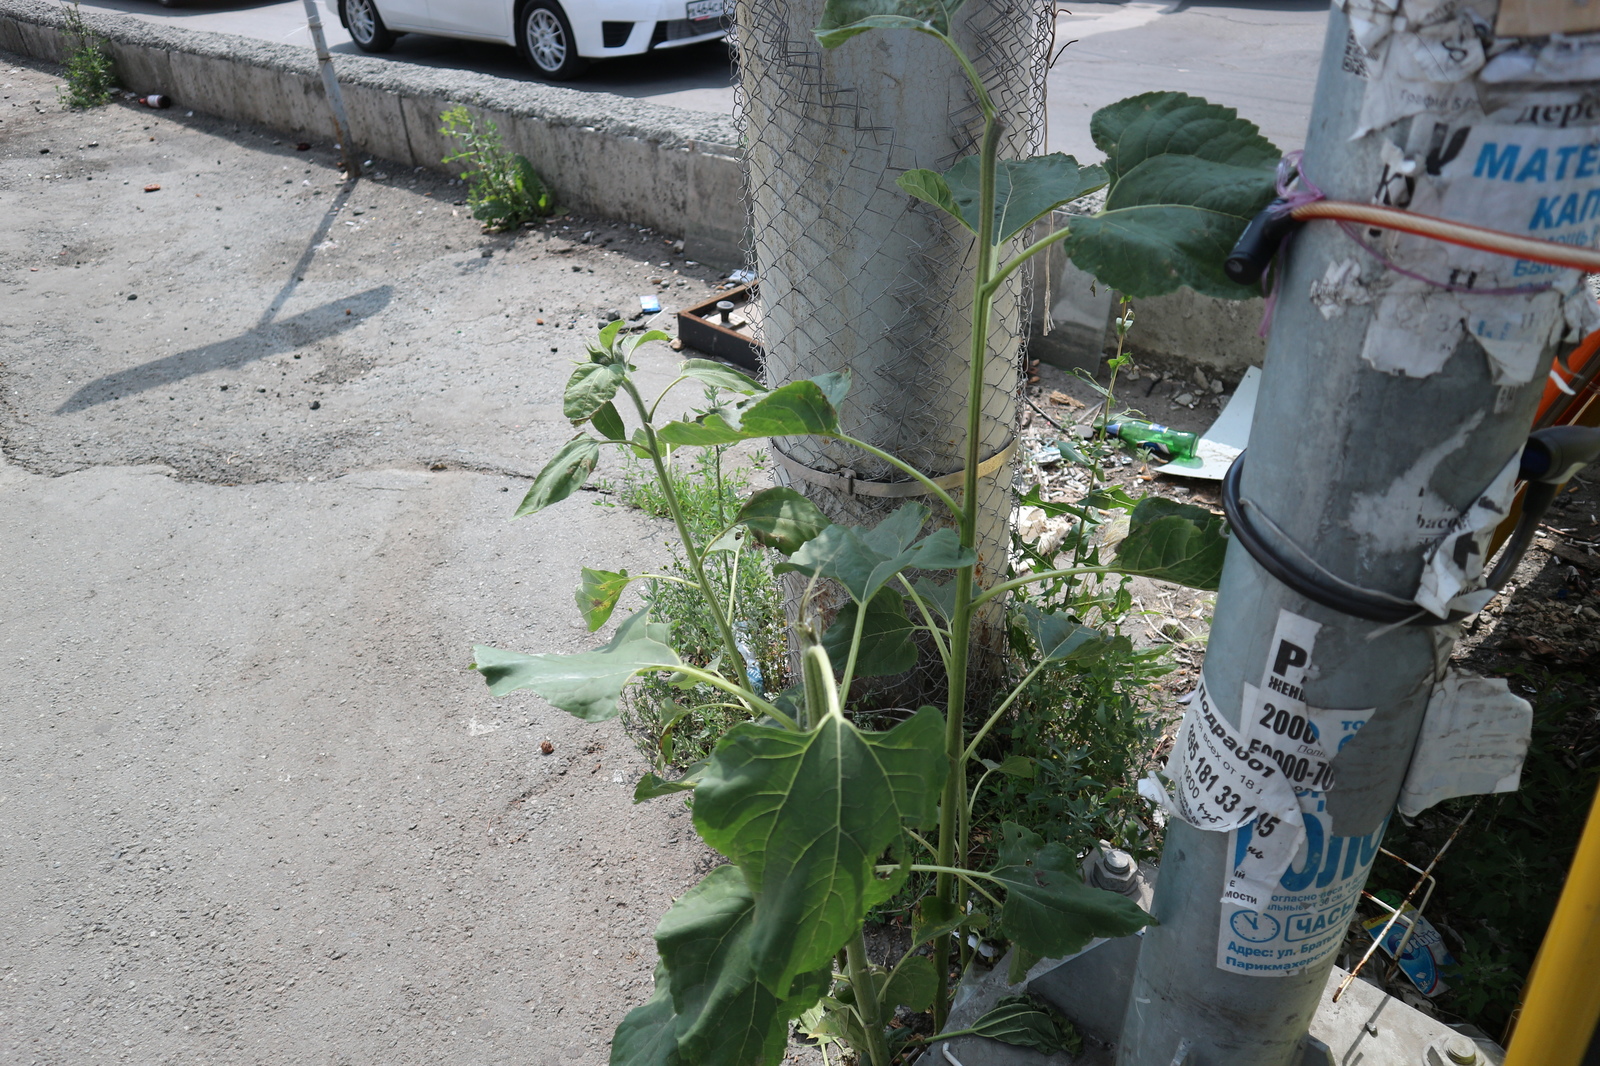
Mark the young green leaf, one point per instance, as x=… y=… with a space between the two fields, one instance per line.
x=843 y=19
x=1186 y=178
x=886 y=645
x=631 y=344
x=720 y=376
x=1048 y=909
x=1016 y=766
x=913 y=984
x=1057 y=638
x=1175 y=542
x=1024 y=189
x=648 y=1036
x=930 y=186
x=781 y=518
x=864 y=560
x=590 y=385
x=727 y=1013
x=563 y=475
x=588 y=683
x=598 y=593
x=797 y=409
x=934 y=918
x=807 y=815
x=609 y=422
x=653 y=786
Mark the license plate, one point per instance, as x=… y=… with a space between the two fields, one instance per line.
x=707 y=9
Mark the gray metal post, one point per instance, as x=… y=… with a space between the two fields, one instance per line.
x=1345 y=460
x=330 y=83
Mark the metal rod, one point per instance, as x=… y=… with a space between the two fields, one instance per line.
x=330 y=82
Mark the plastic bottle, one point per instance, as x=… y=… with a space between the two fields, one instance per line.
x=1174 y=442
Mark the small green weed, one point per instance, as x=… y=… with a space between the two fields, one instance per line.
x=90 y=77
x=679 y=727
x=503 y=189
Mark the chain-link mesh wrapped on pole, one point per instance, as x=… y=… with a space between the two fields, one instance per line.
x=1397 y=392
x=857 y=275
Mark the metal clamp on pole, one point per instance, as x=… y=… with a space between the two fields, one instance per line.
x=1549 y=460
x=848 y=482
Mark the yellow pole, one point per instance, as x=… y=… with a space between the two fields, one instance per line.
x=1562 y=1003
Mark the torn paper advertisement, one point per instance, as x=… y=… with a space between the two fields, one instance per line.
x=1558 y=60
x=1452 y=571
x=1444 y=52
x=1339 y=287
x=1220 y=445
x=1218 y=783
x=1473 y=741
x=1292 y=888
x=1370 y=22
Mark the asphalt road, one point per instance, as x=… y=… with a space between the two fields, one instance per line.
x=1259 y=56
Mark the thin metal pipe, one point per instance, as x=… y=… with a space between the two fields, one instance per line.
x=348 y=158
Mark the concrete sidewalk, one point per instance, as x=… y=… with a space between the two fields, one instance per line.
x=255 y=806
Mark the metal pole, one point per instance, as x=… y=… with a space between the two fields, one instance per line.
x=330 y=82
x=1357 y=467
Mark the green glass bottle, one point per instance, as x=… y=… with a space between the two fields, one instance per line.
x=1173 y=442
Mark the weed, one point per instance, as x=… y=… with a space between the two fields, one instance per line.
x=90 y=77
x=503 y=189
x=679 y=728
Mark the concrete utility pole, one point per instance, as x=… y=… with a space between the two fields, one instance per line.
x=330 y=83
x=857 y=275
x=1381 y=417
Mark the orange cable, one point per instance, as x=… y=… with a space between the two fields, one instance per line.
x=1487 y=240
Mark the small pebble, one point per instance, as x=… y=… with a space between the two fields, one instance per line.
x=546 y=747
x=316 y=405
x=1184 y=398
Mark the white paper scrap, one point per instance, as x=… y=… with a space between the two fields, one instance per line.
x=1473 y=741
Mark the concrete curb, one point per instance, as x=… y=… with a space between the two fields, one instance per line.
x=671 y=169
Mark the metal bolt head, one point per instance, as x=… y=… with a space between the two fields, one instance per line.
x=1118 y=863
x=1461 y=1051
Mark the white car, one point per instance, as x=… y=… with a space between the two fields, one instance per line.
x=559 y=37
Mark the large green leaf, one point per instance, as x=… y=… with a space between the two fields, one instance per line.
x=590 y=386
x=1186 y=178
x=588 y=683
x=913 y=984
x=648 y=1035
x=807 y=816
x=781 y=518
x=1024 y=189
x=1057 y=638
x=719 y=376
x=1048 y=909
x=843 y=19
x=563 y=475
x=1175 y=542
x=1016 y=1020
x=727 y=1014
x=864 y=560
x=797 y=409
x=598 y=593
x=886 y=644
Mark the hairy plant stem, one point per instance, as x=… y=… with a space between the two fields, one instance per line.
x=952 y=823
x=729 y=645
x=867 y=1005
